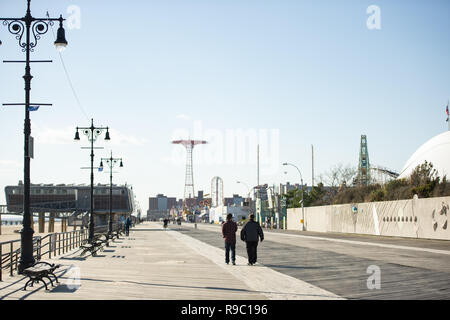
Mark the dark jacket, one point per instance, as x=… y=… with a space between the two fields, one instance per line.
x=252 y=232
x=229 y=229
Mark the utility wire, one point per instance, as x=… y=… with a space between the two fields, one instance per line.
x=68 y=78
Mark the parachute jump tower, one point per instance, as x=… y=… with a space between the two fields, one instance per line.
x=189 y=178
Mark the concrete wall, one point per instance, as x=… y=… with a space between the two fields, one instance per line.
x=415 y=218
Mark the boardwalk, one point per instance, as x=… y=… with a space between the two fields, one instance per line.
x=187 y=263
x=409 y=268
x=153 y=263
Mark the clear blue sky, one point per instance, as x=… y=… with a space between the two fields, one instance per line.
x=309 y=71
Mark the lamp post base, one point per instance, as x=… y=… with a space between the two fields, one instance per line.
x=91 y=231
x=26 y=253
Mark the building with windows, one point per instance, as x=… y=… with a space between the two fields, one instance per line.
x=160 y=206
x=73 y=201
x=234 y=201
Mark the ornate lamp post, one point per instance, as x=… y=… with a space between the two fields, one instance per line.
x=111 y=162
x=92 y=133
x=301 y=179
x=32 y=28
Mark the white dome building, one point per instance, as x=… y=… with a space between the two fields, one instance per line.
x=436 y=150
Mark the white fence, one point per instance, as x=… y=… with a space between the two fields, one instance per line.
x=414 y=218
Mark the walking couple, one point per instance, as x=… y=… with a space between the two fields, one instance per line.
x=250 y=233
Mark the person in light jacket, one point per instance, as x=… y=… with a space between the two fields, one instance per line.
x=251 y=233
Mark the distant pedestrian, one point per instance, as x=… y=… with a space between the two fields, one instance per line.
x=229 y=229
x=127 y=226
x=251 y=233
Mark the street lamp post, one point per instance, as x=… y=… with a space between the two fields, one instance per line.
x=92 y=133
x=248 y=189
x=301 y=181
x=111 y=162
x=30 y=27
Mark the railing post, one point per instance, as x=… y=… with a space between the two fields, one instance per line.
x=1 y=261
x=11 y=259
x=59 y=244
x=39 y=244
x=17 y=259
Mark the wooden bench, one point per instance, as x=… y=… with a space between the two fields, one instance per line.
x=97 y=244
x=39 y=271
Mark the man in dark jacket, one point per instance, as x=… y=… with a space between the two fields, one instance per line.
x=251 y=233
x=127 y=226
x=229 y=229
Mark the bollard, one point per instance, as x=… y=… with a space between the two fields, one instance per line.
x=51 y=223
x=41 y=222
x=39 y=245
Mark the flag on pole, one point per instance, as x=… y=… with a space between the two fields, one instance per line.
x=33 y=108
x=446 y=110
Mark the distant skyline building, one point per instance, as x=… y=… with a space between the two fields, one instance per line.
x=285 y=188
x=161 y=202
x=235 y=201
x=159 y=206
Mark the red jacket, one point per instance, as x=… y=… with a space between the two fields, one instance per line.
x=229 y=229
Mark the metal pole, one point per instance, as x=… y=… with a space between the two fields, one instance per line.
x=26 y=254
x=91 y=217
x=1 y=262
x=312 y=165
x=11 y=259
x=301 y=181
x=257 y=167
x=110 y=197
x=303 y=210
